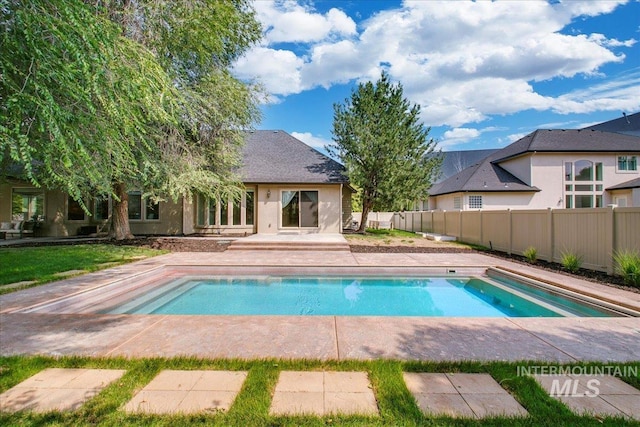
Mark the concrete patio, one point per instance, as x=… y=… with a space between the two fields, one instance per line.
x=322 y=337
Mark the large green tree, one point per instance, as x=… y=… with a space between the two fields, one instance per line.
x=378 y=136
x=100 y=96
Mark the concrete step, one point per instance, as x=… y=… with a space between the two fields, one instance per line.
x=239 y=245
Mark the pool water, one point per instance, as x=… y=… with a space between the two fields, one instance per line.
x=349 y=296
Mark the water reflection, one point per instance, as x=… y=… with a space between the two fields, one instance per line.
x=353 y=290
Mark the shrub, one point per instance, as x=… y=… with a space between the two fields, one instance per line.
x=571 y=262
x=628 y=266
x=531 y=254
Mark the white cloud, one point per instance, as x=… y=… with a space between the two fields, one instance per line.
x=288 y=21
x=313 y=141
x=461 y=61
x=459 y=136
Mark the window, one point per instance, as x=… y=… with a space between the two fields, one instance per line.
x=299 y=209
x=135 y=205
x=237 y=212
x=206 y=213
x=584 y=170
x=475 y=202
x=101 y=209
x=583 y=201
x=585 y=174
x=74 y=210
x=142 y=208
x=457 y=202
x=627 y=163
x=26 y=204
x=152 y=209
x=249 y=207
x=224 y=212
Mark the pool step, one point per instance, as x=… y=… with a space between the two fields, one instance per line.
x=240 y=245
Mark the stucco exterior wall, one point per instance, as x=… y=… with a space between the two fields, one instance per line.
x=269 y=206
x=520 y=167
x=56 y=223
x=490 y=201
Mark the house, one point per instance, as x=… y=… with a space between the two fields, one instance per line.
x=289 y=187
x=577 y=168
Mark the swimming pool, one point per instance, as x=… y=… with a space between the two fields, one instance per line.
x=419 y=292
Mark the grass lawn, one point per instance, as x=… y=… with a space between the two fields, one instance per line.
x=40 y=264
x=251 y=407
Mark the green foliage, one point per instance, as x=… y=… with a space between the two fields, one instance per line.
x=92 y=96
x=531 y=254
x=628 y=266
x=378 y=136
x=571 y=261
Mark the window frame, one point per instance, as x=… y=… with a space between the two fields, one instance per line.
x=144 y=202
x=33 y=194
x=627 y=158
x=300 y=221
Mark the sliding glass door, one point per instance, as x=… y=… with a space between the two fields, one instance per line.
x=299 y=209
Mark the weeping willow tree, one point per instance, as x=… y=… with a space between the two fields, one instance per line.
x=97 y=97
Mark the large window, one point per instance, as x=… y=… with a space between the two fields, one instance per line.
x=583 y=184
x=299 y=209
x=142 y=207
x=27 y=204
x=102 y=209
x=627 y=163
x=210 y=212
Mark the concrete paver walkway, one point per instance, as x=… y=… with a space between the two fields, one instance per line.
x=173 y=392
x=461 y=395
x=57 y=389
x=599 y=395
x=323 y=393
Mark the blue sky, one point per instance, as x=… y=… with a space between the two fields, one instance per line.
x=484 y=73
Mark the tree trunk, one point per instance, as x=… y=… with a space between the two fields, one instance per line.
x=366 y=207
x=120 y=229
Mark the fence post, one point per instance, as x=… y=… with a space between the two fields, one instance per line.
x=550 y=235
x=460 y=227
x=481 y=242
x=611 y=237
x=510 y=232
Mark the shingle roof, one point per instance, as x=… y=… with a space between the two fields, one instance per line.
x=628 y=124
x=484 y=176
x=571 y=140
x=634 y=183
x=456 y=161
x=488 y=176
x=274 y=156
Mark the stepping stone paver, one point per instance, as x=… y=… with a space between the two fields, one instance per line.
x=57 y=389
x=173 y=391
x=601 y=395
x=323 y=393
x=461 y=395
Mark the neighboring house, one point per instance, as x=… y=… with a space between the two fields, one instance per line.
x=289 y=187
x=552 y=169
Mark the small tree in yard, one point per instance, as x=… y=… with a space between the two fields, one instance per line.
x=378 y=136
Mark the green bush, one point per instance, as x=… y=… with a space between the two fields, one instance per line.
x=571 y=262
x=628 y=266
x=531 y=254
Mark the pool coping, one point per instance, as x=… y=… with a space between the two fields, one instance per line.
x=321 y=337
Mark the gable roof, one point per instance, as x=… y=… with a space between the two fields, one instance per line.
x=275 y=157
x=456 y=161
x=628 y=124
x=570 y=140
x=484 y=176
x=488 y=176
